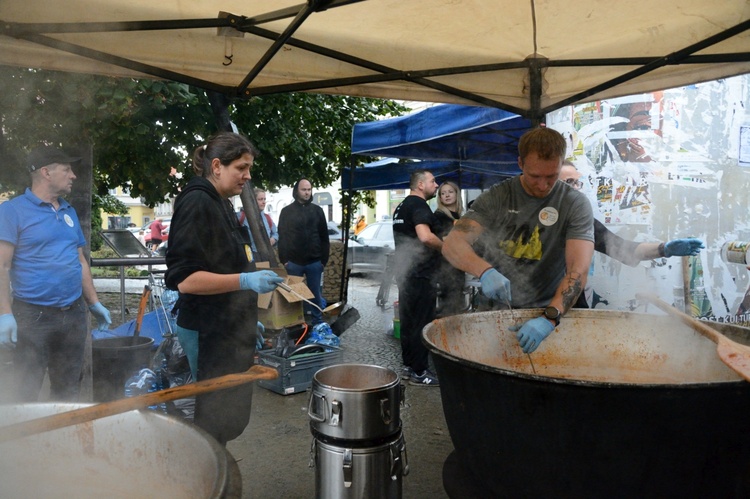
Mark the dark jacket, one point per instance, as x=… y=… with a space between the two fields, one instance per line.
x=206 y=235
x=303 y=234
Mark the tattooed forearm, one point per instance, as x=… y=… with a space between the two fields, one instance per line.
x=572 y=289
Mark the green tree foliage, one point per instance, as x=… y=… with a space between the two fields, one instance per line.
x=144 y=131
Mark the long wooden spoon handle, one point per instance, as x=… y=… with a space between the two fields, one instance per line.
x=85 y=414
x=699 y=326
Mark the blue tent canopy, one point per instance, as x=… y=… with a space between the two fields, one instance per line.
x=385 y=175
x=472 y=146
x=447 y=132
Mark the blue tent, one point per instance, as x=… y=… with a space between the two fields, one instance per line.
x=390 y=174
x=474 y=146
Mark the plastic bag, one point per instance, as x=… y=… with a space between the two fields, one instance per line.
x=323 y=335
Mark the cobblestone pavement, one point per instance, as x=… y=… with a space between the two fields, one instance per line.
x=274 y=451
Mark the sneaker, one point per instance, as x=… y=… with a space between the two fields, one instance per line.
x=424 y=379
x=406 y=373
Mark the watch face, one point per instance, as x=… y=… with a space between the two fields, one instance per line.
x=551 y=313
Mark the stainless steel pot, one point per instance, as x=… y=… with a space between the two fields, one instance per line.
x=620 y=405
x=350 y=472
x=355 y=402
x=135 y=454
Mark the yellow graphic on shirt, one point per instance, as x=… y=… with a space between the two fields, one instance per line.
x=530 y=250
x=249 y=253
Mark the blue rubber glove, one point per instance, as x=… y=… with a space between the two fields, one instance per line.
x=102 y=315
x=683 y=247
x=8 y=331
x=531 y=334
x=495 y=285
x=262 y=281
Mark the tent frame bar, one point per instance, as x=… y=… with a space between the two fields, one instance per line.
x=35 y=33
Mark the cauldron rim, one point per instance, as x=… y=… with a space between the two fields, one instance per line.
x=435 y=350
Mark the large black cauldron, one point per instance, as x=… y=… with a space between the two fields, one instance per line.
x=621 y=405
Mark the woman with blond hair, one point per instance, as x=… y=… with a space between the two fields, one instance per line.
x=451 y=280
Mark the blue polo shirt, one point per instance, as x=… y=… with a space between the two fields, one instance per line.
x=45 y=269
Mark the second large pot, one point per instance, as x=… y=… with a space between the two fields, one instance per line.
x=355 y=402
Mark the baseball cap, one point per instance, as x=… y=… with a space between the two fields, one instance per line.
x=47 y=155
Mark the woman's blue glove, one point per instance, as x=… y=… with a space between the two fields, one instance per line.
x=683 y=247
x=532 y=333
x=495 y=285
x=262 y=281
x=102 y=315
x=8 y=331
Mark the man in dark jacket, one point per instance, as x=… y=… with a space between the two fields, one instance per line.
x=304 y=243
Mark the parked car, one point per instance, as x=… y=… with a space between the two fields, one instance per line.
x=374 y=243
x=334 y=232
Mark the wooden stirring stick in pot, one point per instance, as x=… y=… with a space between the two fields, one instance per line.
x=733 y=354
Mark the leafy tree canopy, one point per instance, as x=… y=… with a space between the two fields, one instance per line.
x=145 y=130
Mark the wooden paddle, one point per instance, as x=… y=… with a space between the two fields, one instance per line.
x=85 y=414
x=141 y=312
x=733 y=354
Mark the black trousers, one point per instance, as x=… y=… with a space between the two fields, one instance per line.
x=416 y=309
x=50 y=340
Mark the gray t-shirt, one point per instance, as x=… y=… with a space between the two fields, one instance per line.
x=524 y=237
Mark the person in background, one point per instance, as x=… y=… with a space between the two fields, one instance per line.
x=209 y=262
x=628 y=252
x=271 y=230
x=360 y=225
x=43 y=263
x=273 y=233
x=304 y=245
x=157 y=229
x=450 y=279
x=417 y=257
x=534 y=233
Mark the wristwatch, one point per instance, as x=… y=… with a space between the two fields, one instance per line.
x=553 y=314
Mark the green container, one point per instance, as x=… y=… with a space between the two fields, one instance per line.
x=396 y=328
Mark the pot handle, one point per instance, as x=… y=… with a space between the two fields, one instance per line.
x=385 y=411
x=399 y=461
x=311 y=414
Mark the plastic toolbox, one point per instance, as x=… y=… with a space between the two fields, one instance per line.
x=296 y=372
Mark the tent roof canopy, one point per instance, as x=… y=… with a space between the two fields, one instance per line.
x=475 y=147
x=447 y=132
x=381 y=175
x=527 y=57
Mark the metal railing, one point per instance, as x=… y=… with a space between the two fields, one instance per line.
x=128 y=262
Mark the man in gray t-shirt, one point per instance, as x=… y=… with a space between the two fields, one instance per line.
x=535 y=236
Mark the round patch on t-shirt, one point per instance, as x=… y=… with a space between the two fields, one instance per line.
x=68 y=220
x=548 y=216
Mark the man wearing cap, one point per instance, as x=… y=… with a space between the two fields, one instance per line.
x=43 y=268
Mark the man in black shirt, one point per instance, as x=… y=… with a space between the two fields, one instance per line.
x=417 y=259
x=304 y=243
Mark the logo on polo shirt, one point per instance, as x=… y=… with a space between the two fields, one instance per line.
x=68 y=220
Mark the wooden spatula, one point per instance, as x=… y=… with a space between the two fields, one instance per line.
x=733 y=354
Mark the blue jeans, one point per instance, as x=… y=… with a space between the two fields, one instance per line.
x=313 y=273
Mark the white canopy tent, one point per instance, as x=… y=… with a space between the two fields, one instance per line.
x=528 y=57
